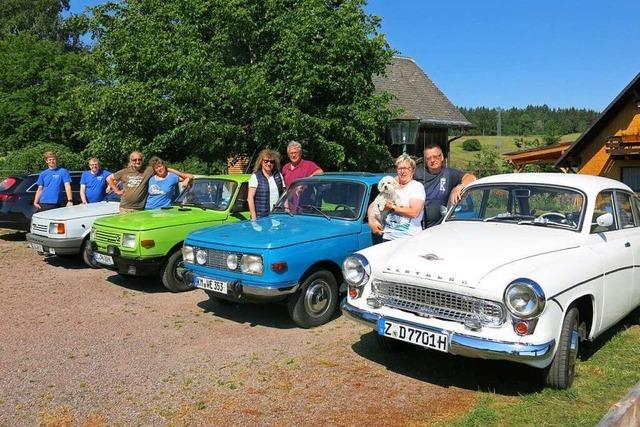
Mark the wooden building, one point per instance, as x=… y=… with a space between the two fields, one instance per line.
x=419 y=100
x=611 y=146
x=546 y=155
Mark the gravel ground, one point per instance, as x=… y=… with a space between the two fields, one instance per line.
x=89 y=347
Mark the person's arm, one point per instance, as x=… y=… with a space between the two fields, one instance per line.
x=36 y=199
x=83 y=196
x=181 y=175
x=113 y=184
x=456 y=192
x=413 y=210
x=251 y=194
x=67 y=190
x=317 y=171
x=376 y=227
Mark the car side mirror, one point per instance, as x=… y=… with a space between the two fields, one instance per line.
x=605 y=220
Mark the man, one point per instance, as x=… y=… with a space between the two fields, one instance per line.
x=50 y=184
x=442 y=185
x=298 y=167
x=135 y=181
x=93 y=183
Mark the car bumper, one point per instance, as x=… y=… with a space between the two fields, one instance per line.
x=239 y=291
x=132 y=266
x=56 y=246
x=466 y=345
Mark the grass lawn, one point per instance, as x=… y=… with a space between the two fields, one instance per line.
x=460 y=158
x=607 y=369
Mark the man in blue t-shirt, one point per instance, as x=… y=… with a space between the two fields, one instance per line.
x=50 y=184
x=442 y=185
x=93 y=183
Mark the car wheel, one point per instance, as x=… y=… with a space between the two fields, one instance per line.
x=388 y=344
x=561 y=372
x=87 y=254
x=316 y=301
x=172 y=274
x=213 y=296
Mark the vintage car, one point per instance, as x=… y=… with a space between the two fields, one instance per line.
x=522 y=269
x=65 y=231
x=148 y=242
x=294 y=254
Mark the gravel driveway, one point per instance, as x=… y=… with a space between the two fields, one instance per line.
x=89 y=347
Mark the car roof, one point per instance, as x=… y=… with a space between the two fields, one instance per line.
x=366 y=177
x=586 y=183
x=233 y=177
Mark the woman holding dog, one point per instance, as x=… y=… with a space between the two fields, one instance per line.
x=403 y=215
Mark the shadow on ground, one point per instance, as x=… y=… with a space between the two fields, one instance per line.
x=72 y=262
x=146 y=284
x=271 y=315
x=13 y=236
x=447 y=370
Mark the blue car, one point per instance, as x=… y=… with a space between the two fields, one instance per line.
x=295 y=254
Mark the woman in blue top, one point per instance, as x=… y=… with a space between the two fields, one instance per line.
x=163 y=186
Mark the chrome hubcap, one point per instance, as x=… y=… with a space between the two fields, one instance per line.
x=316 y=298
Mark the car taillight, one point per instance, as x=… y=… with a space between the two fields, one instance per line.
x=9 y=197
x=7 y=183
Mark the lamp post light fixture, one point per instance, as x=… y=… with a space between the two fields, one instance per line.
x=404 y=132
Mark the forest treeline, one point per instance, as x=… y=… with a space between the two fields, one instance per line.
x=531 y=120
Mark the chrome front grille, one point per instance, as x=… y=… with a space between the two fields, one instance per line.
x=437 y=303
x=107 y=238
x=218 y=259
x=39 y=228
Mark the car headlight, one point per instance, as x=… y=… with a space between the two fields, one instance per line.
x=251 y=264
x=232 y=261
x=524 y=298
x=356 y=270
x=56 y=228
x=129 y=240
x=187 y=254
x=201 y=256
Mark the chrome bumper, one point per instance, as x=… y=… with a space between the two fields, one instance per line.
x=465 y=345
x=239 y=291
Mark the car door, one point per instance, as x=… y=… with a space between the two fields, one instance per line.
x=366 y=238
x=612 y=246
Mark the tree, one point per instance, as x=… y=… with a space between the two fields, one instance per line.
x=219 y=78
x=488 y=162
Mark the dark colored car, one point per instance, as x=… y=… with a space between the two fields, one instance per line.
x=16 y=199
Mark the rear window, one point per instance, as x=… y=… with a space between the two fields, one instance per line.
x=8 y=183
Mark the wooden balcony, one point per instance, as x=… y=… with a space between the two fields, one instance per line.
x=622 y=146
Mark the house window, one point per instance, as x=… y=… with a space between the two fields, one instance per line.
x=631 y=177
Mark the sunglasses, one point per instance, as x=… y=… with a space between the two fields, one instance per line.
x=273 y=162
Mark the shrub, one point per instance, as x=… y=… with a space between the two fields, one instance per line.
x=29 y=159
x=471 y=145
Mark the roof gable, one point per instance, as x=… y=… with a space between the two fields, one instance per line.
x=415 y=93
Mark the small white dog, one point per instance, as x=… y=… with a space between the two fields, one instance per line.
x=387 y=187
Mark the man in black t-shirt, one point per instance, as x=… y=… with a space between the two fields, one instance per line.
x=442 y=185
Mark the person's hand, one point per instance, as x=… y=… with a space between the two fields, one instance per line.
x=69 y=203
x=375 y=226
x=37 y=206
x=84 y=202
x=456 y=193
x=389 y=205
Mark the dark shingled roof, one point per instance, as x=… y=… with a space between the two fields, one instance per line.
x=416 y=94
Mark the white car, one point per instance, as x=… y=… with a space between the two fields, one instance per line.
x=521 y=269
x=65 y=231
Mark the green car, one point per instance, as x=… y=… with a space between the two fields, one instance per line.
x=148 y=242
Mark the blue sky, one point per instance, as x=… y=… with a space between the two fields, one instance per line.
x=499 y=53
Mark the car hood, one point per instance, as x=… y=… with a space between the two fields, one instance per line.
x=79 y=211
x=463 y=253
x=161 y=218
x=272 y=232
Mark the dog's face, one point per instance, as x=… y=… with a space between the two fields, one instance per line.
x=387 y=185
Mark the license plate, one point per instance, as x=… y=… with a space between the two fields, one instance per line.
x=211 y=285
x=413 y=335
x=103 y=259
x=38 y=247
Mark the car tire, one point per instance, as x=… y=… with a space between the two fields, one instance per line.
x=315 y=303
x=388 y=344
x=561 y=372
x=87 y=254
x=171 y=276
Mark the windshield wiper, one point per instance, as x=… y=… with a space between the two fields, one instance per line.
x=315 y=208
x=508 y=217
x=546 y=224
x=282 y=208
x=189 y=205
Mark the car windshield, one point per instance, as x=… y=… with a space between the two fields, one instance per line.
x=328 y=199
x=526 y=204
x=208 y=193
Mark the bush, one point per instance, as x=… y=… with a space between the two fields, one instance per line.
x=30 y=159
x=471 y=145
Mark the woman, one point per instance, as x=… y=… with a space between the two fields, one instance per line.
x=163 y=186
x=403 y=217
x=265 y=185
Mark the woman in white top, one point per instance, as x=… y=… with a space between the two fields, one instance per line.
x=265 y=185
x=403 y=217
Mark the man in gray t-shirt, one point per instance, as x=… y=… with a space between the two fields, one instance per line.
x=441 y=184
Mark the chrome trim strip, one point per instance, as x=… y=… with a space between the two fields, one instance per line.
x=465 y=345
x=260 y=291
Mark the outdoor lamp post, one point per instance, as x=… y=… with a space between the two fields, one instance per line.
x=404 y=132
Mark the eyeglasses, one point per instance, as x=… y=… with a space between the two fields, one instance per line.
x=136 y=160
x=269 y=161
x=432 y=158
x=404 y=168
